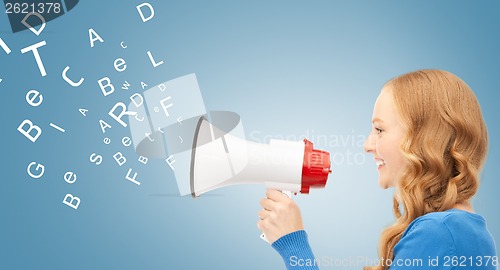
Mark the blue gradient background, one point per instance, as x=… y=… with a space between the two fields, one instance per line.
x=289 y=68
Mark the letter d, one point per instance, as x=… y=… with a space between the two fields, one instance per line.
x=144 y=19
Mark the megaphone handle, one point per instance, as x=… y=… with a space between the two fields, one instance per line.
x=287 y=193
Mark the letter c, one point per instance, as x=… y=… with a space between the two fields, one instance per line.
x=68 y=80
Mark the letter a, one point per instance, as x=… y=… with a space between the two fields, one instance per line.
x=96 y=37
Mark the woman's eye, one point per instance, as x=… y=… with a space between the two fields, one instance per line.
x=378 y=130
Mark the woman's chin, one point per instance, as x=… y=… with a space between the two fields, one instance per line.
x=385 y=183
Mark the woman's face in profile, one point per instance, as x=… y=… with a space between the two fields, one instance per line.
x=385 y=139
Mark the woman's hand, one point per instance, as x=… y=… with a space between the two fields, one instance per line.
x=279 y=216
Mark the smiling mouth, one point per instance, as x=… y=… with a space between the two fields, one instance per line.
x=380 y=163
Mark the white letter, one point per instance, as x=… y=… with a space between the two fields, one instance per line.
x=142 y=15
x=83 y=111
x=97 y=159
x=137 y=104
x=126 y=141
x=97 y=37
x=140 y=120
x=104 y=125
x=169 y=162
x=108 y=84
x=27 y=132
x=31 y=96
x=70 y=203
x=34 y=48
x=57 y=127
x=125 y=85
x=70 y=177
x=167 y=106
x=39 y=31
x=124 y=112
x=38 y=167
x=4 y=46
x=118 y=63
x=72 y=83
x=120 y=159
x=143 y=160
x=133 y=178
x=153 y=61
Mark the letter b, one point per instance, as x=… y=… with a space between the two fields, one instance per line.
x=27 y=132
x=73 y=202
x=120 y=159
x=106 y=85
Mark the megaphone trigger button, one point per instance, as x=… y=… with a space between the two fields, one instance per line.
x=287 y=193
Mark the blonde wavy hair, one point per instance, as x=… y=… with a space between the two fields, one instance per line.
x=445 y=146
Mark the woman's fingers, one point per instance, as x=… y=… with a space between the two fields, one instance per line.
x=263 y=214
x=276 y=195
x=267 y=204
x=279 y=216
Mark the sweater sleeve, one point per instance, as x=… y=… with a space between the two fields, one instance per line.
x=295 y=250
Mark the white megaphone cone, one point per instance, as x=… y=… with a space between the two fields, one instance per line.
x=220 y=159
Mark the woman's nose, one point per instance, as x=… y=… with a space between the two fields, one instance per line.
x=369 y=145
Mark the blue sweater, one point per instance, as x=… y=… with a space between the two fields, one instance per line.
x=453 y=239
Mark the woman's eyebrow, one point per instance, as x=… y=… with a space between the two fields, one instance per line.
x=376 y=119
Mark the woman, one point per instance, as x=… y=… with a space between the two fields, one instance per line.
x=429 y=141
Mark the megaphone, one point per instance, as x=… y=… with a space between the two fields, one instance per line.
x=220 y=159
x=207 y=151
